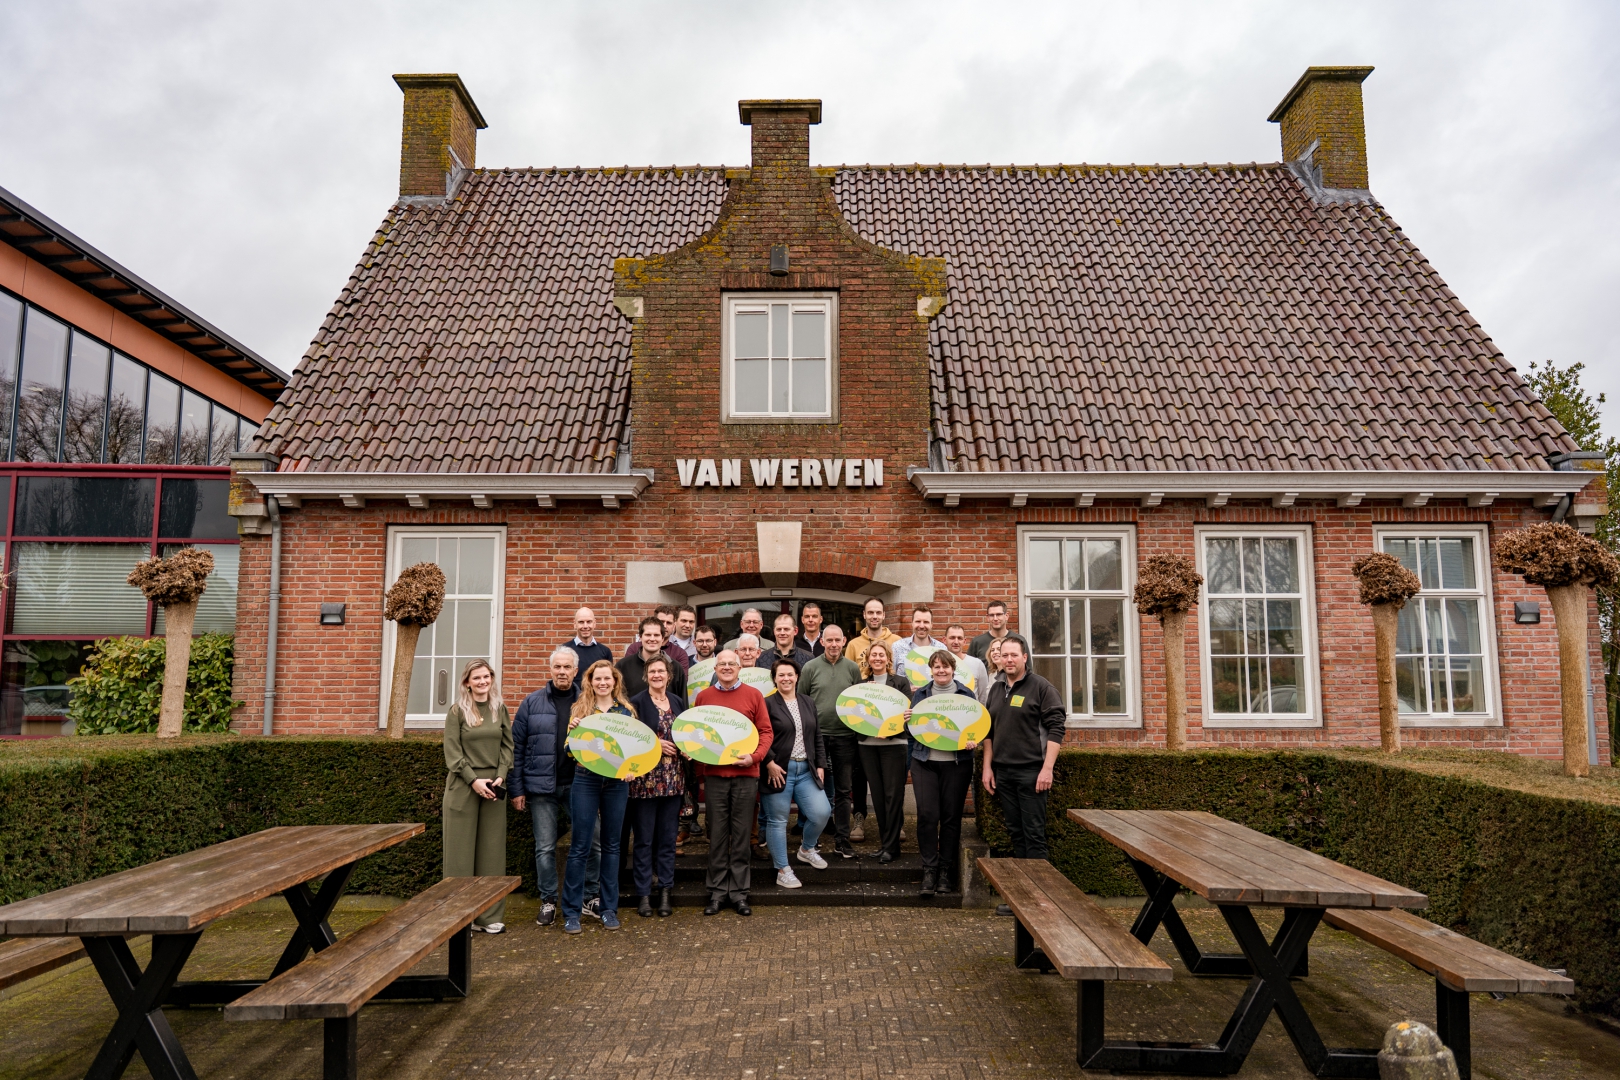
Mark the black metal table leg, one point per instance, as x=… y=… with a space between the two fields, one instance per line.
x=313 y=934
x=1025 y=952
x=139 y=996
x=1451 y=1024
x=340 y=1053
x=1160 y=910
x=436 y=987
x=1269 y=990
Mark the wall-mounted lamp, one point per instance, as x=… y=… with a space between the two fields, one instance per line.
x=332 y=614
x=779 y=259
x=1526 y=611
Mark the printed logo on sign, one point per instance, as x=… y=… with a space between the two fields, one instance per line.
x=759 y=679
x=873 y=709
x=715 y=735
x=914 y=665
x=699 y=677
x=614 y=745
x=949 y=722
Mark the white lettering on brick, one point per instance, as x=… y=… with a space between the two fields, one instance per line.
x=812 y=472
x=731 y=472
x=706 y=474
x=765 y=470
x=852 y=471
x=874 y=472
x=790 y=472
x=687 y=467
x=832 y=466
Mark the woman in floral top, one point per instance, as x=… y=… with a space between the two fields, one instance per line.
x=655 y=799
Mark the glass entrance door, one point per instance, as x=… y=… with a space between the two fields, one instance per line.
x=727 y=618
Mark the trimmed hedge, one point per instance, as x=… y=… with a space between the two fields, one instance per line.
x=1532 y=874
x=76 y=809
x=1535 y=874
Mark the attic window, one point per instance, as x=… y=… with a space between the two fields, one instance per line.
x=780 y=362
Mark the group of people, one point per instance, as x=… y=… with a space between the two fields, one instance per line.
x=806 y=756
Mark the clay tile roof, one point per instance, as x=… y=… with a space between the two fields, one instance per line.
x=480 y=335
x=1192 y=318
x=1099 y=318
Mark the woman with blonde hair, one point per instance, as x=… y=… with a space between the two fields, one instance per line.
x=884 y=760
x=594 y=795
x=477 y=757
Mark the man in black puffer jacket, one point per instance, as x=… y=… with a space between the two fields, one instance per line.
x=541 y=775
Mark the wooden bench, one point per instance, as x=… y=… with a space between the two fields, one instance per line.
x=371 y=963
x=23 y=958
x=1058 y=927
x=1460 y=966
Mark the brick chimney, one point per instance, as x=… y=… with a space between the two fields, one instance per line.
x=439 y=137
x=781 y=130
x=1322 y=125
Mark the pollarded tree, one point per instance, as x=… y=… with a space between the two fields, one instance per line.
x=1167 y=586
x=174 y=584
x=1386 y=586
x=1568 y=565
x=414 y=601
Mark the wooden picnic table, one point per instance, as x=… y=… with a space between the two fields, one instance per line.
x=1237 y=869
x=174 y=900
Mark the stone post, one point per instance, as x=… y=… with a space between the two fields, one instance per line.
x=1413 y=1052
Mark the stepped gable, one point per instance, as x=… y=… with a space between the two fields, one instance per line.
x=479 y=334
x=1178 y=318
x=1191 y=318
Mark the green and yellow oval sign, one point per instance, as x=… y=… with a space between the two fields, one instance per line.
x=873 y=709
x=715 y=735
x=949 y=722
x=614 y=745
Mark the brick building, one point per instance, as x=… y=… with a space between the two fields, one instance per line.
x=766 y=384
x=119 y=411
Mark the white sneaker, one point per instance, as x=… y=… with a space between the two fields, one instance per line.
x=786 y=879
x=811 y=857
x=492 y=928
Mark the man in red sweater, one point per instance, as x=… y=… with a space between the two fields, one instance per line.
x=731 y=790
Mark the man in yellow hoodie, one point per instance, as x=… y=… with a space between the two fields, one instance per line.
x=874 y=630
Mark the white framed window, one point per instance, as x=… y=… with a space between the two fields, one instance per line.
x=1445 y=640
x=474 y=563
x=1074 y=586
x=781 y=362
x=1257 y=622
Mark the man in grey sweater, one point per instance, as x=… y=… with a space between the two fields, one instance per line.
x=822 y=680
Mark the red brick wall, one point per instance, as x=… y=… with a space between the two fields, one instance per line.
x=329 y=678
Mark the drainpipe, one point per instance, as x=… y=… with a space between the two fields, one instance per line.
x=275 y=613
x=1563 y=508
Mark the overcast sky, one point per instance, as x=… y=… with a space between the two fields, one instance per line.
x=239 y=156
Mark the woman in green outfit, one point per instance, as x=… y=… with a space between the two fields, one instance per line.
x=478 y=755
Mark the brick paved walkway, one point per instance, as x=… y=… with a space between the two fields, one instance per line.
x=868 y=993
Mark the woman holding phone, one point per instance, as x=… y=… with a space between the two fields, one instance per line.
x=655 y=799
x=591 y=796
x=795 y=771
x=884 y=760
x=477 y=757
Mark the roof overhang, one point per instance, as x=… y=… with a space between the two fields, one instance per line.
x=46 y=242
x=481 y=489
x=1480 y=488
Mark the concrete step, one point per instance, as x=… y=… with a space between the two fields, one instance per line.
x=814 y=893
x=906 y=870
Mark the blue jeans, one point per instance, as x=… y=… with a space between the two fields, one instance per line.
x=800 y=787
x=544 y=811
x=596 y=801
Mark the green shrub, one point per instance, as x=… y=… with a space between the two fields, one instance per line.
x=1531 y=874
x=76 y=809
x=121 y=688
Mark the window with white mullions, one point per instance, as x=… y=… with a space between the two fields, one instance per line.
x=1080 y=626
x=469 y=626
x=1441 y=646
x=780 y=362
x=1254 y=614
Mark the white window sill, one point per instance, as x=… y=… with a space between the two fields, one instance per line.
x=1450 y=721
x=1262 y=722
x=1113 y=722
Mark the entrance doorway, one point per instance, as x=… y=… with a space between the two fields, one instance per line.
x=726 y=618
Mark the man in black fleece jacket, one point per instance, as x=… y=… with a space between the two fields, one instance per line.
x=1027 y=719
